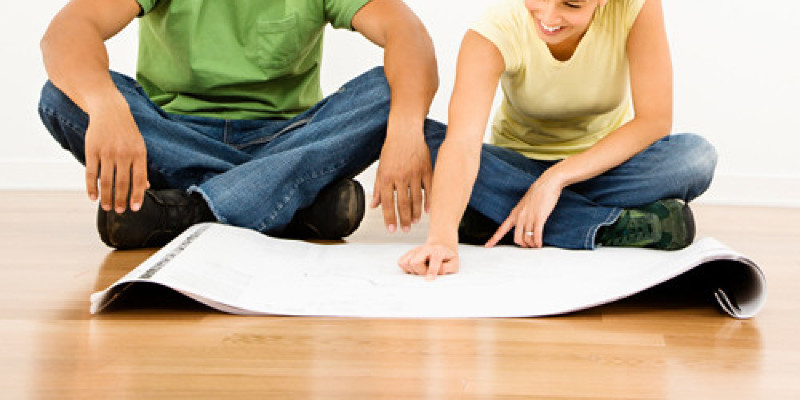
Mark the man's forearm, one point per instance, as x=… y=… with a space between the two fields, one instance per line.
x=410 y=66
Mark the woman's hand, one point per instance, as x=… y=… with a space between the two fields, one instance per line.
x=530 y=214
x=430 y=259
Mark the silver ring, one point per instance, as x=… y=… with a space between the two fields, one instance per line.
x=529 y=233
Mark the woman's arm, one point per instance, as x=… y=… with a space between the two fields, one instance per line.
x=651 y=89
x=478 y=72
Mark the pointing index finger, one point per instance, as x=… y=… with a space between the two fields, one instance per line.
x=501 y=231
x=434 y=265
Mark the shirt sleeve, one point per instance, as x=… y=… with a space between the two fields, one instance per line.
x=632 y=12
x=501 y=25
x=146 y=5
x=340 y=12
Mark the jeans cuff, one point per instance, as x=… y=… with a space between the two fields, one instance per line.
x=591 y=237
x=217 y=215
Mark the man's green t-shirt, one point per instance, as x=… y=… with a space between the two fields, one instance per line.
x=236 y=59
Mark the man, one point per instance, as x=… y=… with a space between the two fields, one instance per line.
x=226 y=122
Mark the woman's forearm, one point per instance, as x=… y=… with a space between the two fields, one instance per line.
x=456 y=169
x=611 y=151
x=477 y=74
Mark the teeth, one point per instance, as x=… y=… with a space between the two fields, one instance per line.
x=549 y=29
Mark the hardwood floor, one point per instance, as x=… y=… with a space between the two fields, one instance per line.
x=656 y=345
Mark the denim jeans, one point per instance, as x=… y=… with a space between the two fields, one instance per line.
x=677 y=166
x=253 y=173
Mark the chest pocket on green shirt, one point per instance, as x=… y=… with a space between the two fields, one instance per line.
x=274 y=44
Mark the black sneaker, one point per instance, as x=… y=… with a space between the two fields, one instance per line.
x=163 y=216
x=336 y=213
x=476 y=228
x=665 y=225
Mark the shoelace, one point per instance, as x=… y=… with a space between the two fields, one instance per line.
x=636 y=230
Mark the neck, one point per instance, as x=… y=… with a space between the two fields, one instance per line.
x=563 y=51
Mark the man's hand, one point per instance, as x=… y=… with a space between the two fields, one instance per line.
x=117 y=156
x=404 y=168
x=410 y=67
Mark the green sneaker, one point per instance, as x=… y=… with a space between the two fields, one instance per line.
x=665 y=224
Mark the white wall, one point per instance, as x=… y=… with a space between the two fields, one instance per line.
x=736 y=83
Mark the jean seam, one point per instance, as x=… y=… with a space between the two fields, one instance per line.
x=53 y=114
x=324 y=102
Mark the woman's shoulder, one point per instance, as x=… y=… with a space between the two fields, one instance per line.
x=620 y=13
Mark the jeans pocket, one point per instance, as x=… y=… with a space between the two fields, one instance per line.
x=274 y=45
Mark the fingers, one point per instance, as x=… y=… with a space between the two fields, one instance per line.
x=404 y=206
x=530 y=235
x=538 y=231
x=404 y=261
x=106 y=182
x=416 y=200
x=140 y=184
x=387 y=201
x=92 y=172
x=434 y=265
x=414 y=262
x=376 y=193
x=521 y=230
x=504 y=228
x=427 y=184
x=122 y=185
x=120 y=178
x=528 y=230
x=407 y=197
x=430 y=261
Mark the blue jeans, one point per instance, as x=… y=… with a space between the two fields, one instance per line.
x=677 y=166
x=252 y=173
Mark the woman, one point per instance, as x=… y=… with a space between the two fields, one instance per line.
x=571 y=164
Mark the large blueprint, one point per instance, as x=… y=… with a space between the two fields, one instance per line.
x=244 y=272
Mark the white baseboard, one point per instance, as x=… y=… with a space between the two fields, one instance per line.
x=753 y=191
x=725 y=190
x=41 y=175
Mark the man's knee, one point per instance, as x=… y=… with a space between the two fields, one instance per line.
x=53 y=101
x=60 y=115
x=372 y=85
